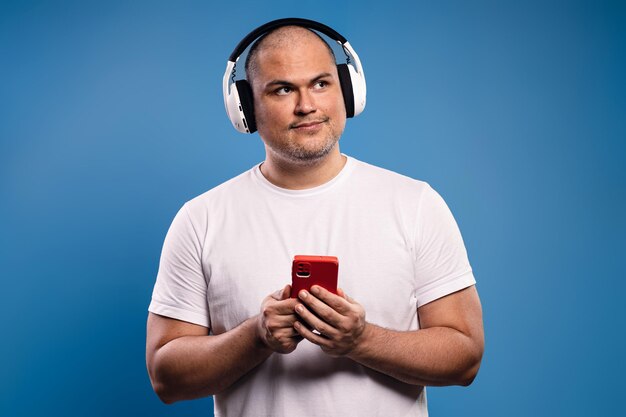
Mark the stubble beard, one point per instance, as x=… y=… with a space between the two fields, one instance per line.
x=295 y=153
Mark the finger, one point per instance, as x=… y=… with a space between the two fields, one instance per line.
x=286 y=333
x=297 y=337
x=319 y=308
x=309 y=335
x=343 y=294
x=284 y=307
x=281 y=322
x=282 y=294
x=334 y=301
x=275 y=323
x=314 y=322
x=284 y=336
x=286 y=294
x=271 y=305
x=277 y=295
x=340 y=292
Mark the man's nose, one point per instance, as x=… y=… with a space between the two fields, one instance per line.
x=306 y=102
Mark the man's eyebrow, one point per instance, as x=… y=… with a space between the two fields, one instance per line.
x=322 y=75
x=278 y=83
x=283 y=83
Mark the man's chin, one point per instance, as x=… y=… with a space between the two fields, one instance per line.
x=306 y=157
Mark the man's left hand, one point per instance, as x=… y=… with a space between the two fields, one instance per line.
x=335 y=323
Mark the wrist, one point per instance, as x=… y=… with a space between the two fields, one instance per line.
x=363 y=342
x=259 y=341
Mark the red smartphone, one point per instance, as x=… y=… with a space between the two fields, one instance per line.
x=309 y=270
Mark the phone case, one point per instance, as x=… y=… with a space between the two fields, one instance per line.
x=309 y=270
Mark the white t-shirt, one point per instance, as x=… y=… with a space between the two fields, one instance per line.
x=398 y=248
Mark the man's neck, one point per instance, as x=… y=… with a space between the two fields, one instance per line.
x=302 y=176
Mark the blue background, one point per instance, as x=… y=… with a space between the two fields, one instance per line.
x=112 y=116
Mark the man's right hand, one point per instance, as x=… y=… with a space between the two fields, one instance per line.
x=276 y=320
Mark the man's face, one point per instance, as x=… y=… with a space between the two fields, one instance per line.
x=298 y=104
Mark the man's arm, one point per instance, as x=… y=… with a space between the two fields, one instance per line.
x=185 y=362
x=447 y=349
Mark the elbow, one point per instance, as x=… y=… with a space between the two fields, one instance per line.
x=165 y=394
x=462 y=376
x=162 y=390
x=171 y=388
x=165 y=391
x=474 y=356
x=171 y=393
x=468 y=376
x=469 y=373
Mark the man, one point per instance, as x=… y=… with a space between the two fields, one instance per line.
x=407 y=316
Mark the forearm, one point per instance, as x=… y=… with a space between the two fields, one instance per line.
x=432 y=356
x=190 y=367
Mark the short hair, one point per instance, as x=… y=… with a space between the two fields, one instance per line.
x=251 y=62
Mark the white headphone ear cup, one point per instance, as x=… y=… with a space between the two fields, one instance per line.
x=235 y=111
x=359 y=90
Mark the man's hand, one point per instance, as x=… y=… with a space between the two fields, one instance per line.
x=335 y=322
x=275 y=324
x=446 y=350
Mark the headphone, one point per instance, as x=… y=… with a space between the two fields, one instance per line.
x=238 y=98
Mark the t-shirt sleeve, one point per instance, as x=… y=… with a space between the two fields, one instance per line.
x=441 y=262
x=180 y=291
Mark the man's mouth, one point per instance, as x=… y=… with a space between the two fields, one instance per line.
x=308 y=124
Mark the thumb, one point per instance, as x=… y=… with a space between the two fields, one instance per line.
x=341 y=293
x=286 y=293
x=282 y=294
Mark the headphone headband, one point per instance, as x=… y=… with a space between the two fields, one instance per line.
x=289 y=21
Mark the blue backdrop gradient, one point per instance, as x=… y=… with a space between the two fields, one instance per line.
x=112 y=117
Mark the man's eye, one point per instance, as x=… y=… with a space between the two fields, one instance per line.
x=320 y=84
x=282 y=91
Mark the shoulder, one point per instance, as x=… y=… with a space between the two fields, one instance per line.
x=385 y=180
x=226 y=193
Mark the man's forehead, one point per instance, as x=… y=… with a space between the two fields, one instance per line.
x=288 y=48
x=302 y=52
x=289 y=67
x=295 y=53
